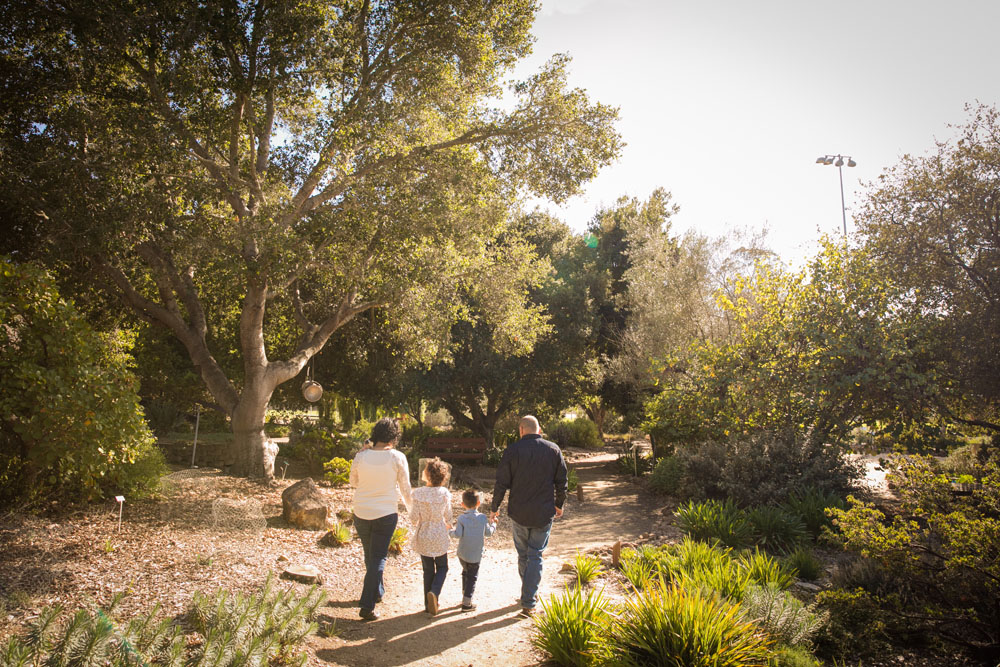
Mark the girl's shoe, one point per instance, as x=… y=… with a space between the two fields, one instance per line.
x=432 y=603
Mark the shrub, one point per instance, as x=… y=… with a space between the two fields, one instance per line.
x=400 y=537
x=668 y=625
x=316 y=446
x=766 y=570
x=781 y=615
x=793 y=656
x=766 y=468
x=946 y=546
x=572 y=480
x=637 y=572
x=587 y=568
x=581 y=433
x=775 y=529
x=338 y=471
x=702 y=465
x=666 y=476
x=70 y=420
x=573 y=630
x=809 y=504
x=855 y=626
x=715 y=520
x=805 y=564
x=262 y=628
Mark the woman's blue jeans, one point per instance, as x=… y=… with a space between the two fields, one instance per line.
x=375 y=535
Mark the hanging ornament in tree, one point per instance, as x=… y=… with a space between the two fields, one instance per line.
x=312 y=391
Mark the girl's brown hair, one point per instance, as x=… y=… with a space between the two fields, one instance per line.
x=437 y=471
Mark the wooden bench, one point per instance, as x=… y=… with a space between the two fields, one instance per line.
x=455 y=449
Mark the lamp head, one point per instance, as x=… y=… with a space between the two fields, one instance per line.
x=821 y=159
x=828 y=160
x=839 y=162
x=851 y=163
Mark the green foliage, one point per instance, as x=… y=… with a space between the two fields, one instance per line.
x=793 y=656
x=945 y=545
x=340 y=534
x=578 y=432
x=400 y=537
x=855 y=626
x=572 y=480
x=666 y=476
x=338 y=471
x=633 y=461
x=70 y=421
x=786 y=619
x=574 y=628
x=805 y=564
x=317 y=446
x=637 y=571
x=265 y=628
x=766 y=570
x=715 y=520
x=813 y=354
x=810 y=505
x=588 y=568
x=775 y=529
x=670 y=626
x=931 y=223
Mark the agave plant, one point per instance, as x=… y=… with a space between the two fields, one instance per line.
x=573 y=628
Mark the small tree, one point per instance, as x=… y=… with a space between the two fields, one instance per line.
x=69 y=415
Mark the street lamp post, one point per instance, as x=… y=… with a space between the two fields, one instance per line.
x=838 y=162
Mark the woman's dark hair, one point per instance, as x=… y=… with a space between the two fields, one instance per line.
x=386 y=430
x=437 y=472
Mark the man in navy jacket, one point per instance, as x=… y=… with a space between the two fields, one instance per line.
x=534 y=471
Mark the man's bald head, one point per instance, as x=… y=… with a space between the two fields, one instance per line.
x=528 y=425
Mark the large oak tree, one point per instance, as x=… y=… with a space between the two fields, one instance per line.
x=230 y=167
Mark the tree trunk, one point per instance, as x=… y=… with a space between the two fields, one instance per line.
x=597 y=412
x=246 y=455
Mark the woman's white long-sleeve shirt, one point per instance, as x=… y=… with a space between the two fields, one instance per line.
x=431 y=514
x=380 y=477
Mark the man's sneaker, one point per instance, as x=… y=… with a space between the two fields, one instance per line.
x=432 y=603
x=468 y=606
x=368 y=615
x=527 y=612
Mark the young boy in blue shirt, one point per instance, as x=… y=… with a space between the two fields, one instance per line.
x=471 y=529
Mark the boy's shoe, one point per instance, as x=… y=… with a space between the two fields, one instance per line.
x=527 y=612
x=368 y=615
x=432 y=603
x=468 y=606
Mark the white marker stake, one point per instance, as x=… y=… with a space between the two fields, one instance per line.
x=194 y=449
x=121 y=505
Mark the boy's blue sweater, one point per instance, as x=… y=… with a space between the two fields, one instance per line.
x=471 y=529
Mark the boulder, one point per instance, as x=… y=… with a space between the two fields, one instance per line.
x=303 y=505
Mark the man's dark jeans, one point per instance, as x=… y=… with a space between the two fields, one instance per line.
x=470 y=573
x=435 y=570
x=375 y=535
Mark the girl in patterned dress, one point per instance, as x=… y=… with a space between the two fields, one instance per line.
x=431 y=517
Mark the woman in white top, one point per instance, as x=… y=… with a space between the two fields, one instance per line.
x=380 y=475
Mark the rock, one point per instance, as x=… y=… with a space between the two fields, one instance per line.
x=307 y=574
x=806 y=586
x=303 y=505
x=283 y=558
x=330 y=540
x=567 y=567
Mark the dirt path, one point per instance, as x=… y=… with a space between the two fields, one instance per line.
x=494 y=633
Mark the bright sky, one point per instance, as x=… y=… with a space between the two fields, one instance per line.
x=728 y=103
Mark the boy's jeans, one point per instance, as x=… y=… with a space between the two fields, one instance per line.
x=530 y=544
x=470 y=572
x=435 y=570
x=375 y=535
